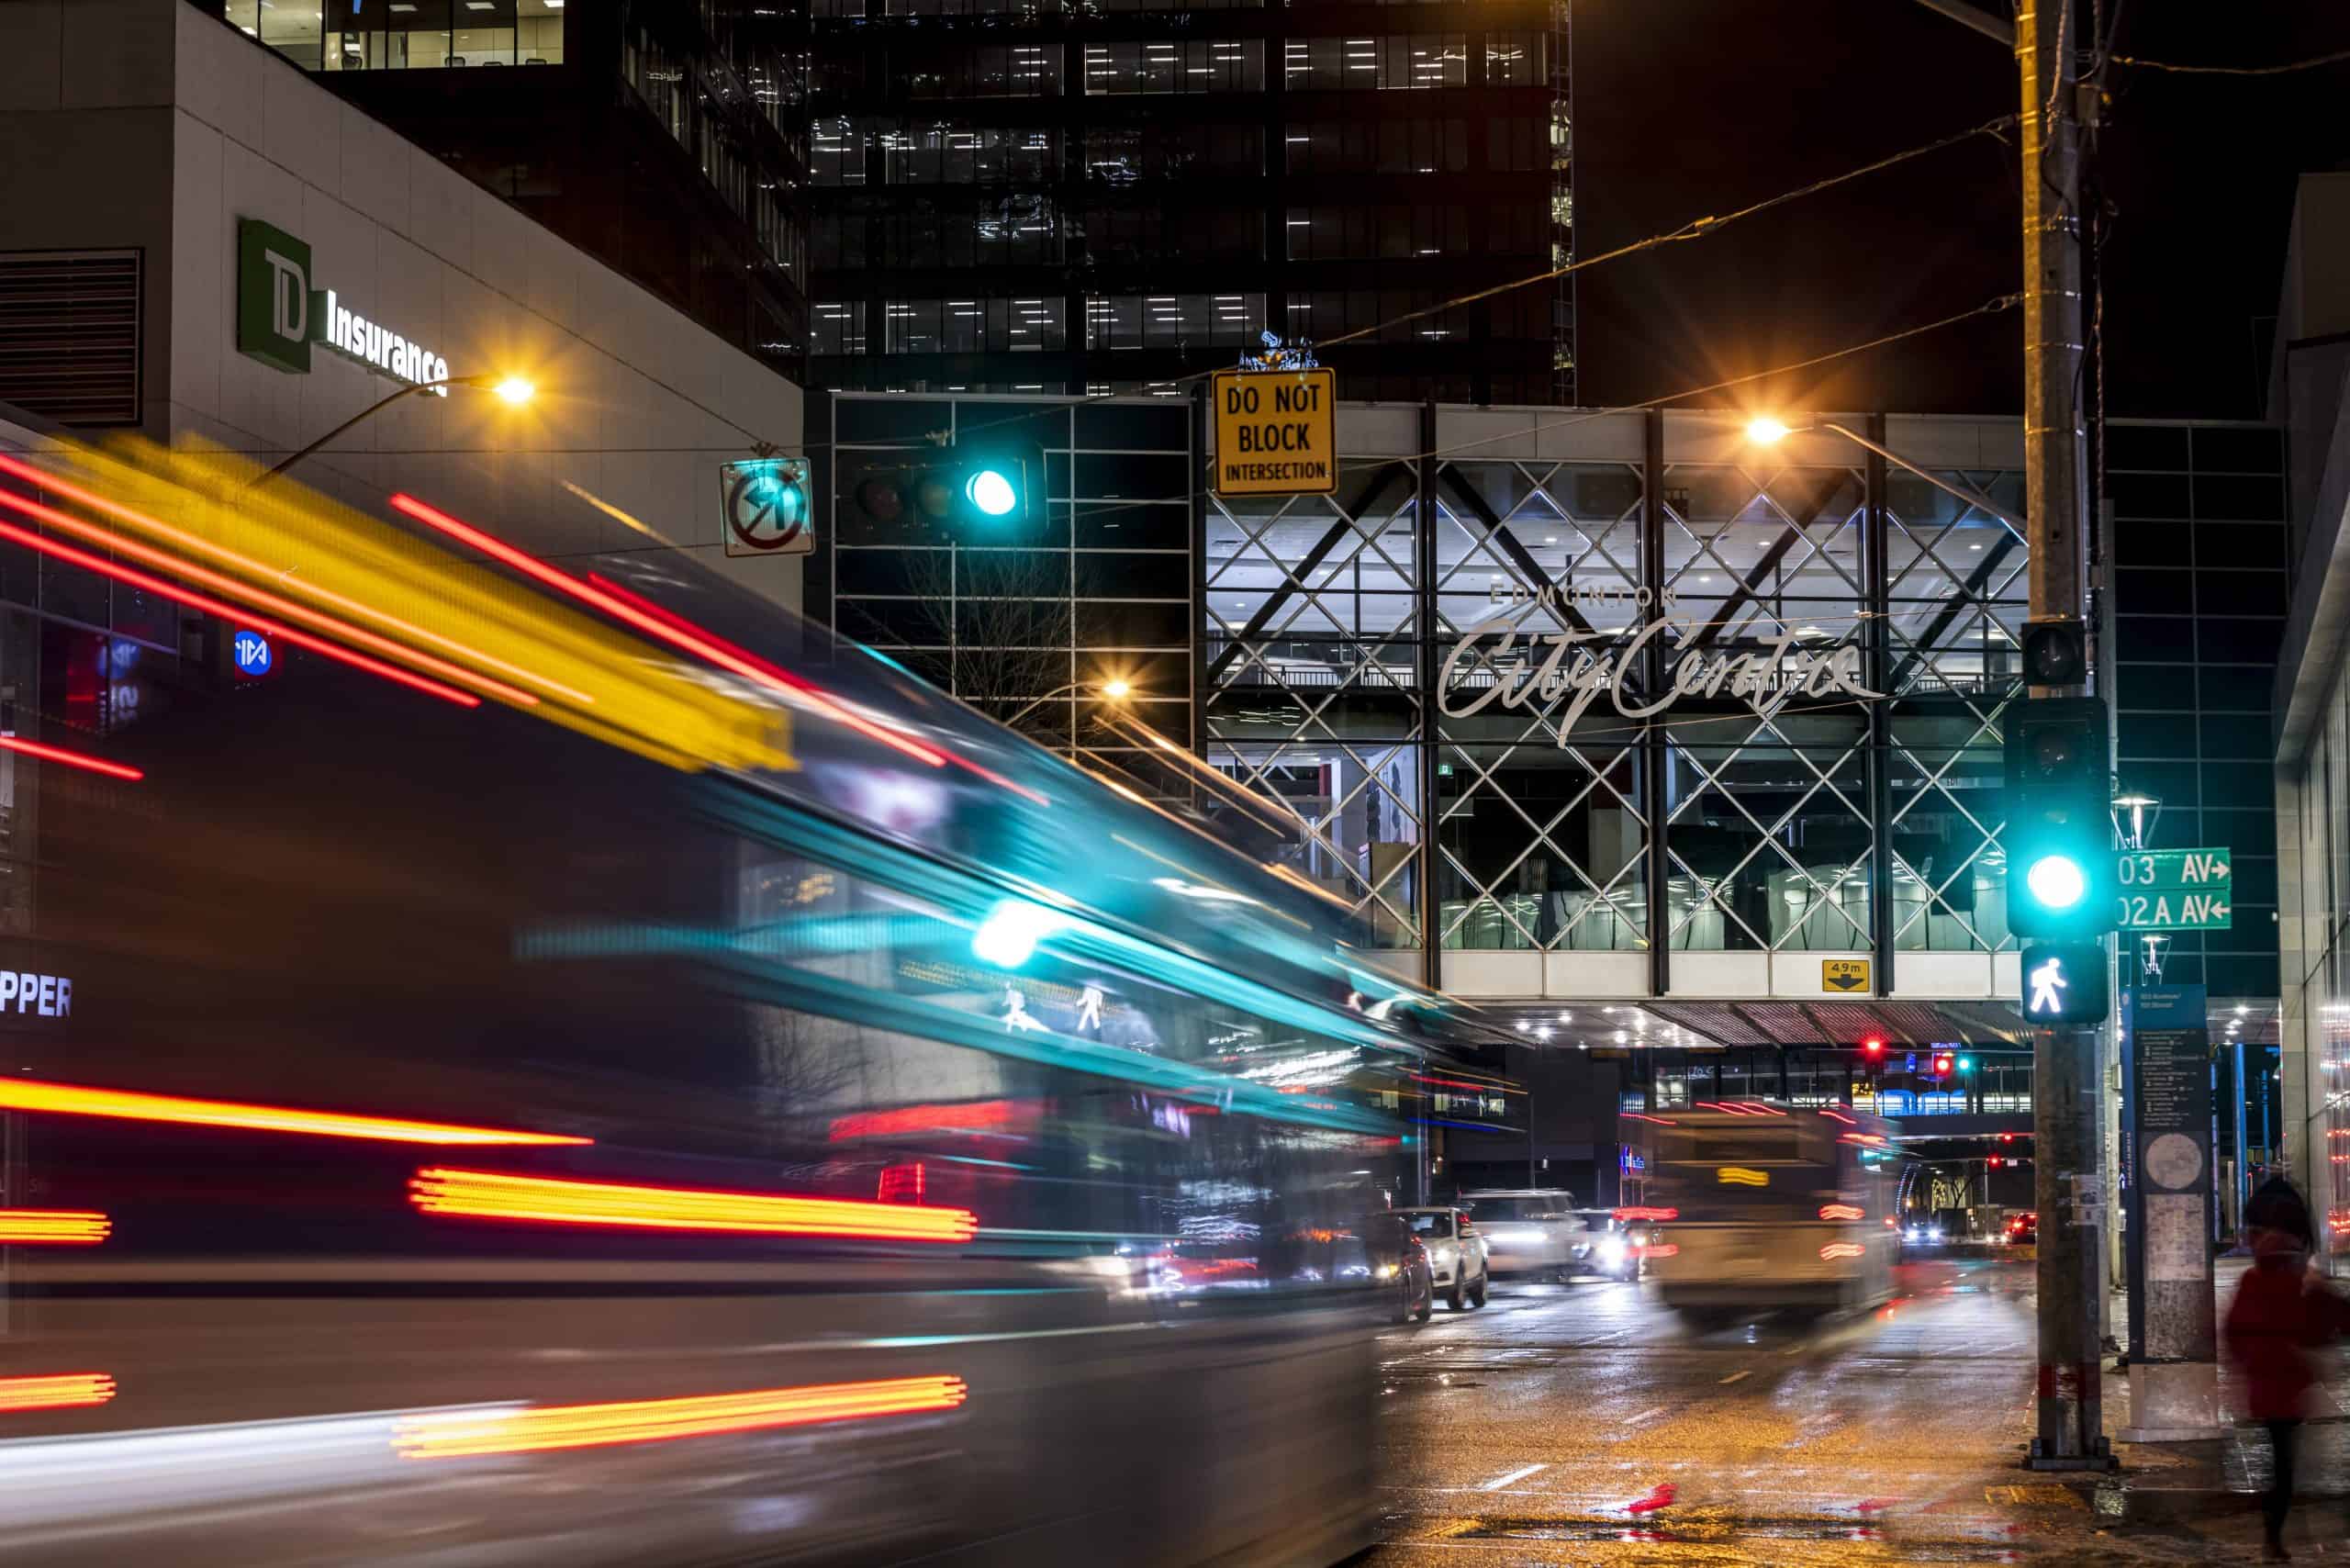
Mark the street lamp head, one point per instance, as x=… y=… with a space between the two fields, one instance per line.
x=1764 y=430
x=515 y=390
x=1115 y=691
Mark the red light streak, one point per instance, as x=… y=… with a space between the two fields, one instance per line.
x=211 y=606
x=222 y=583
x=1842 y=1249
x=458 y=1434
x=55 y=1391
x=197 y=542
x=1834 y=1115
x=72 y=759
x=1660 y=1498
x=1659 y=1216
x=973 y=1117
x=54 y=1227
x=75 y=1100
x=1758 y=1107
x=488 y=1194
x=1870 y=1138
x=1658 y=1249
x=1842 y=1211
x=1644 y=1116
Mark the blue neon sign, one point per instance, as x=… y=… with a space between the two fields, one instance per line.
x=252 y=653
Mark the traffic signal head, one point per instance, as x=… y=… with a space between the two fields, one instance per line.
x=978 y=494
x=2059 y=837
x=1944 y=1062
x=1873 y=1047
x=1966 y=1064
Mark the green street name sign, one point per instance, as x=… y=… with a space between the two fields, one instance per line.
x=2175 y=890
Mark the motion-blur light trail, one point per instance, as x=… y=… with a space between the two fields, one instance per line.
x=54 y=1392
x=484 y=1195
x=275 y=603
x=54 y=1227
x=211 y=606
x=77 y=1100
x=71 y=759
x=458 y=1434
x=186 y=541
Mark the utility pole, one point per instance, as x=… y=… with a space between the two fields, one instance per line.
x=2070 y=1430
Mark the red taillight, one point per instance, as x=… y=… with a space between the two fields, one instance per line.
x=457 y=1434
x=1656 y=1215
x=487 y=1195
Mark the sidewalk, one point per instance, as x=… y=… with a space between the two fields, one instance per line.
x=2191 y=1482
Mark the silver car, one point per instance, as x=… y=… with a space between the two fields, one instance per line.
x=1456 y=1247
x=1533 y=1232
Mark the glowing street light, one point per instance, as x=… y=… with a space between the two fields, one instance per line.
x=1764 y=430
x=516 y=390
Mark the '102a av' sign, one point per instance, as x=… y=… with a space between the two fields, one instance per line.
x=2175 y=889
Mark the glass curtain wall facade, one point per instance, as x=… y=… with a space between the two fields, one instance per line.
x=1091 y=195
x=1026 y=627
x=1426 y=667
x=670 y=143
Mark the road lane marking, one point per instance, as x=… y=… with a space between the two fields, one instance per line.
x=1737 y=1375
x=1651 y=1410
x=1498 y=1482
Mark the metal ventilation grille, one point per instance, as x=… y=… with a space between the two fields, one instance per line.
x=69 y=335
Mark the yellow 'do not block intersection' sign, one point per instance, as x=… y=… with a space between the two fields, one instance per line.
x=1276 y=432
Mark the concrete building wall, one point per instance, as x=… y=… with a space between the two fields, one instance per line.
x=155 y=127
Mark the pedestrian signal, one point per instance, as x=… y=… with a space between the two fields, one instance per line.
x=2063 y=982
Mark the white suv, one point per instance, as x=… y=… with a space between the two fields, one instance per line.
x=1456 y=1248
x=1533 y=1231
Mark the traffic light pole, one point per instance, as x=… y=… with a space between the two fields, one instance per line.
x=2069 y=1185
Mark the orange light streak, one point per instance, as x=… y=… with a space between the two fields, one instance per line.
x=72 y=759
x=1842 y=1211
x=54 y=1227
x=222 y=583
x=487 y=1195
x=55 y=1391
x=210 y=606
x=75 y=1100
x=459 y=1434
x=1842 y=1249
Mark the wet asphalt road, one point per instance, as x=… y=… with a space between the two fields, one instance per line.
x=1586 y=1423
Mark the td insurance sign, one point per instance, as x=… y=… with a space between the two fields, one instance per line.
x=281 y=311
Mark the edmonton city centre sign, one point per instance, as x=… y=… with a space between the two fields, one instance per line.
x=280 y=314
x=1580 y=667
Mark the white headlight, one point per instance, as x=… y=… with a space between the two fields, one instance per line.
x=1387 y=1270
x=1611 y=1249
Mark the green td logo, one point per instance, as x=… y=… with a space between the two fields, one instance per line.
x=273 y=295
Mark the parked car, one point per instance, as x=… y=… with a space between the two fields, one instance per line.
x=1456 y=1248
x=1398 y=1261
x=1531 y=1231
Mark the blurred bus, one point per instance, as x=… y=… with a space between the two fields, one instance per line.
x=1755 y=1206
x=448 y=1136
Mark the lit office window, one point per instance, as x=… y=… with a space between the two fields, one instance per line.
x=1418 y=61
x=974 y=326
x=1515 y=59
x=1188 y=65
x=836 y=145
x=837 y=328
x=1174 y=321
x=1378 y=147
x=414 y=35
x=988 y=71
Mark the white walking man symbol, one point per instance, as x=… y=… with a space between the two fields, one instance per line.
x=2046 y=981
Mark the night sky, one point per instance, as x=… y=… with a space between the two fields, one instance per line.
x=1685 y=107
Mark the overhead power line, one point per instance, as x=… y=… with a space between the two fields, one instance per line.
x=1696 y=228
x=2287 y=69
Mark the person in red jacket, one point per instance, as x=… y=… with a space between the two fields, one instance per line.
x=2279 y=1316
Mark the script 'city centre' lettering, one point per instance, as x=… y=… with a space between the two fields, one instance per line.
x=1576 y=668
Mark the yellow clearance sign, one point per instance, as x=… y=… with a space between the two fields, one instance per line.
x=1276 y=433
x=1844 y=974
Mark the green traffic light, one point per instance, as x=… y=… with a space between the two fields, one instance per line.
x=2057 y=881
x=992 y=492
x=1966 y=1064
